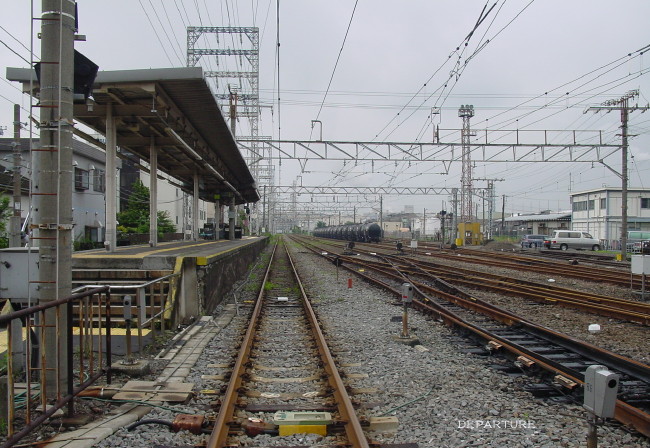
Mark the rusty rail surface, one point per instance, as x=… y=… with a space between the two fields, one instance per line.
x=44 y=322
x=624 y=413
x=354 y=432
x=629 y=310
x=509 y=260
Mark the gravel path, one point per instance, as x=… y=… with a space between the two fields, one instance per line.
x=441 y=396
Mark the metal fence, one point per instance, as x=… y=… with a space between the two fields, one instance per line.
x=144 y=304
x=39 y=385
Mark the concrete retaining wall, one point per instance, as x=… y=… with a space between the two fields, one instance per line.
x=215 y=281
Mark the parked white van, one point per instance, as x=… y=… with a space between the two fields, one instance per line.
x=570 y=239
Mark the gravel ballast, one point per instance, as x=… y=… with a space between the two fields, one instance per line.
x=441 y=396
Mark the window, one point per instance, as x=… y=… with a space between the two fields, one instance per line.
x=81 y=179
x=603 y=203
x=91 y=233
x=584 y=205
x=645 y=202
x=580 y=206
x=99 y=181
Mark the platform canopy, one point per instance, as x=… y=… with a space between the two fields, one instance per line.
x=175 y=109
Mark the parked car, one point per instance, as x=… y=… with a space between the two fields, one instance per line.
x=532 y=241
x=636 y=240
x=571 y=239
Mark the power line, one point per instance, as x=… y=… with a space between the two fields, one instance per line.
x=155 y=32
x=345 y=38
x=14 y=51
x=162 y=26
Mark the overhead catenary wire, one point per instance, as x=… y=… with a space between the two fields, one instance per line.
x=338 y=58
x=155 y=32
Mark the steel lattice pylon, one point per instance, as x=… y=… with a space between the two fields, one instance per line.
x=248 y=105
x=466 y=112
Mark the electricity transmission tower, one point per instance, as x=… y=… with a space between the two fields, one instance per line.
x=466 y=112
x=245 y=81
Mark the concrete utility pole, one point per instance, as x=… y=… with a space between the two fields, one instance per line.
x=381 y=214
x=454 y=218
x=153 y=193
x=231 y=219
x=15 y=221
x=621 y=104
x=53 y=173
x=503 y=215
x=424 y=224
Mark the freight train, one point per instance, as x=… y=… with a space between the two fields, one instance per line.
x=365 y=233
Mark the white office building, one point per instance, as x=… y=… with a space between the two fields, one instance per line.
x=599 y=212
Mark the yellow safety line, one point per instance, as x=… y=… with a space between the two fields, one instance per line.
x=143 y=254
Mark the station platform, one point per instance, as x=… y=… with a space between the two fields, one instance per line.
x=161 y=257
x=207 y=269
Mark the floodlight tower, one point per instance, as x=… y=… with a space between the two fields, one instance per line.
x=466 y=112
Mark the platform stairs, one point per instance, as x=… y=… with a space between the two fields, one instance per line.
x=141 y=302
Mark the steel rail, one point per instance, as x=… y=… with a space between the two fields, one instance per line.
x=353 y=429
x=606 y=306
x=224 y=419
x=624 y=412
x=524 y=286
x=628 y=310
x=542 y=266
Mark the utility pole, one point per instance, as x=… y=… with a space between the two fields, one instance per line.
x=233 y=110
x=15 y=221
x=491 y=197
x=454 y=218
x=381 y=214
x=503 y=215
x=424 y=224
x=622 y=105
x=52 y=190
x=264 y=210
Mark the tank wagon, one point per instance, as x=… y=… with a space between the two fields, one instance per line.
x=365 y=233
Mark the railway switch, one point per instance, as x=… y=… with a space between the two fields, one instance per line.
x=601 y=388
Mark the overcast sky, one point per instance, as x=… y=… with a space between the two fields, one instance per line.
x=540 y=64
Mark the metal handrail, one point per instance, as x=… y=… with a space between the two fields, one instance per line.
x=135 y=286
x=90 y=302
x=143 y=320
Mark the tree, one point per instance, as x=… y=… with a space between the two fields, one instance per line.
x=135 y=217
x=5 y=213
x=320 y=224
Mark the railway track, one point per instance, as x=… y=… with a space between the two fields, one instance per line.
x=285 y=364
x=531 y=346
x=509 y=260
x=628 y=310
x=595 y=259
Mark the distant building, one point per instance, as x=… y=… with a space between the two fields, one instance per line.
x=598 y=212
x=88 y=185
x=543 y=223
